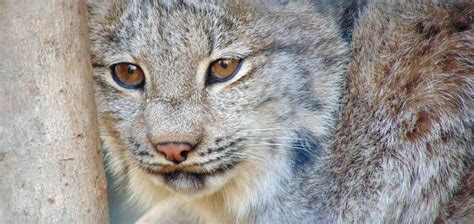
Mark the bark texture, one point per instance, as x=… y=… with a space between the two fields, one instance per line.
x=51 y=167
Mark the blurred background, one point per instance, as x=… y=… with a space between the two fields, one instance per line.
x=121 y=211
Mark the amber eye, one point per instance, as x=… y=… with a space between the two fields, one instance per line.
x=223 y=69
x=128 y=75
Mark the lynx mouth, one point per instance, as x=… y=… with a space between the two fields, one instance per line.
x=187 y=181
x=217 y=171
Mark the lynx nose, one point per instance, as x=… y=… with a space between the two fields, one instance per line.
x=174 y=151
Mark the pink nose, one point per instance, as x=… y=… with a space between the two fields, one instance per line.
x=174 y=151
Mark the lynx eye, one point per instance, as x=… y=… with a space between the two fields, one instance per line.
x=223 y=69
x=128 y=75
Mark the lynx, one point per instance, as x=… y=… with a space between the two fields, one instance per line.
x=289 y=111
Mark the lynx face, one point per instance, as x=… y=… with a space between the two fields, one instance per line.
x=196 y=98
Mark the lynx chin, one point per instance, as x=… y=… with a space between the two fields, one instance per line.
x=289 y=111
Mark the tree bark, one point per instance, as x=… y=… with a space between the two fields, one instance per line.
x=51 y=168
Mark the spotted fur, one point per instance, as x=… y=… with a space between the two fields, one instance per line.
x=327 y=121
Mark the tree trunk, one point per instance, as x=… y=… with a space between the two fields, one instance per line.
x=50 y=158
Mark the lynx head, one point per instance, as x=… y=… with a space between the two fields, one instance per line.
x=199 y=98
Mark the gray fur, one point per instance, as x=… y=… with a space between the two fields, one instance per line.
x=289 y=139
